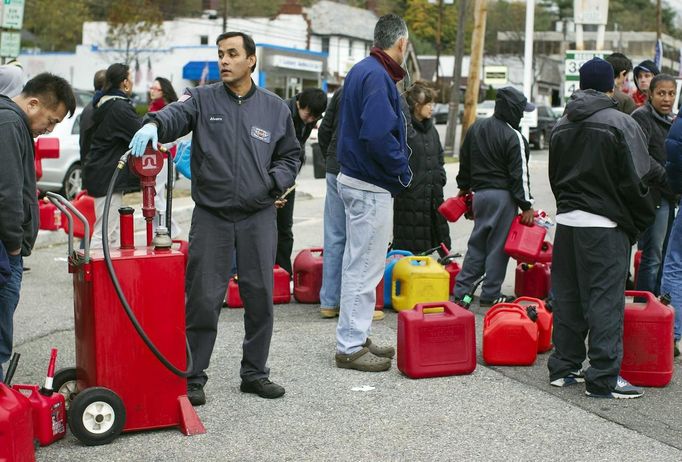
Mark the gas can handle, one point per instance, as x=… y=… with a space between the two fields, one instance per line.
x=530 y=300
x=503 y=308
x=448 y=307
x=641 y=293
x=21 y=386
x=419 y=258
x=81 y=217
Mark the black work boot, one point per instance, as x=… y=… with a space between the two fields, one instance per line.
x=195 y=394
x=262 y=387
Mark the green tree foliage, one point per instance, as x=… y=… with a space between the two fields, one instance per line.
x=133 y=25
x=52 y=30
x=422 y=19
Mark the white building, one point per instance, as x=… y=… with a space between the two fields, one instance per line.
x=300 y=47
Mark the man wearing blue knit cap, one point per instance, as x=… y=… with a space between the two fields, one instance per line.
x=597 y=161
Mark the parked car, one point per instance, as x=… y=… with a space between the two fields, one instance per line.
x=485 y=109
x=63 y=174
x=539 y=136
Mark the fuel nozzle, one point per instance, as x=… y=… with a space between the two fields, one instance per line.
x=49 y=379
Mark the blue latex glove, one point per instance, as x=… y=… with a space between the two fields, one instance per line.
x=143 y=136
x=183 y=157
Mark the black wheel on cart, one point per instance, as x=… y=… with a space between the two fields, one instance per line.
x=65 y=384
x=96 y=416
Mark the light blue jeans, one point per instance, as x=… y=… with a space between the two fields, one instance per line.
x=369 y=222
x=334 y=243
x=651 y=245
x=671 y=282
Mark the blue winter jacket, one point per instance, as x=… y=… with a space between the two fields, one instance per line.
x=673 y=148
x=371 y=139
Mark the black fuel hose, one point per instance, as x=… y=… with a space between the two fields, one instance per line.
x=114 y=280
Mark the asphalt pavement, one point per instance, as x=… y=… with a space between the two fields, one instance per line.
x=496 y=413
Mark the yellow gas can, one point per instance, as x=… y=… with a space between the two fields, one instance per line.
x=418 y=280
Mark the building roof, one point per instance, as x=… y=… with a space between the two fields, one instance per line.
x=331 y=18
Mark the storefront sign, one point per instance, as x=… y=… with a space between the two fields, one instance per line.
x=299 y=64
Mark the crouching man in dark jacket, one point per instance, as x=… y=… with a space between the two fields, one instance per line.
x=597 y=159
x=494 y=164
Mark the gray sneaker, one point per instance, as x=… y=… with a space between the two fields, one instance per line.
x=363 y=360
x=623 y=390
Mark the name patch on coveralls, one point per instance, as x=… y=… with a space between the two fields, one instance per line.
x=260 y=134
x=215 y=118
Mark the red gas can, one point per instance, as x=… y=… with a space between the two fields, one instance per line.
x=647 y=342
x=308 y=275
x=50 y=216
x=453 y=269
x=546 y=253
x=524 y=243
x=533 y=280
x=85 y=205
x=638 y=260
x=453 y=208
x=232 y=298
x=49 y=414
x=510 y=337
x=281 y=292
x=435 y=340
x=545 y=321
x=16 y=426
x=379 y=304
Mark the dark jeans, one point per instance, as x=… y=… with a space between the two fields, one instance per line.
x=212 y=244
x=588 y=283
x=285 y=235
x=9 y=299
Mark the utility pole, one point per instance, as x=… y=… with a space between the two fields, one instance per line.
x=439 y=28
x=225 y=15
x=659 y=20
x=528 y=57
x=473 y=82
x=451 y=138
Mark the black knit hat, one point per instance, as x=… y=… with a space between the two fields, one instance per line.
x=597 y=74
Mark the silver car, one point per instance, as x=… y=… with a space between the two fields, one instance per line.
x=63 y=174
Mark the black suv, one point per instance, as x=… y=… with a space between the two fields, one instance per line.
x=539 y=136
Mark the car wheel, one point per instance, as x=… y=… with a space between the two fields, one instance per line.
x=540 y=143
x=73 y=182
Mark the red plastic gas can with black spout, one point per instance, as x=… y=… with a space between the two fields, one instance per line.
x=454 y=207
x=524 y=243
x=533 y=280
x=544 y=321
x=647 y=341
x=16 y=426
x=510 y=336
x=49 y=414
x=308 y=275
x=436 y=339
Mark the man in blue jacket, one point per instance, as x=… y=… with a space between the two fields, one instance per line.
x=373 y=154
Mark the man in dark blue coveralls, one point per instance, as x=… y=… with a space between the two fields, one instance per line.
x=244 y=155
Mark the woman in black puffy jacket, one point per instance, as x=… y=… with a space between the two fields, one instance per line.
x=417 y=225
x=114 y=124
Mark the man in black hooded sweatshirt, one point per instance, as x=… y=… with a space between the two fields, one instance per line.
x=494 y=164
x=598 y=159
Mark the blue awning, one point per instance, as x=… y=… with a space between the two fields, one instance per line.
x=193 y=70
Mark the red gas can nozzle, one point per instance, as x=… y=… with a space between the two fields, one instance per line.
x=47 y=389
